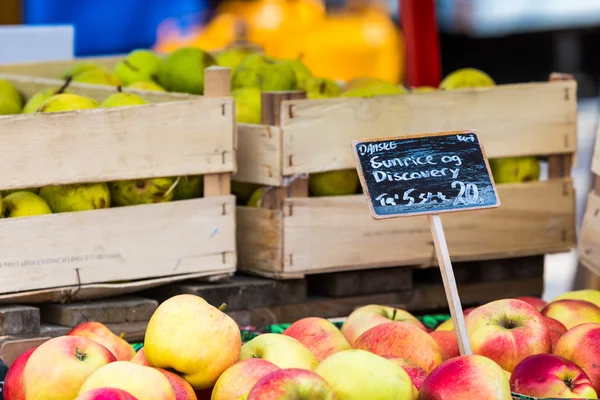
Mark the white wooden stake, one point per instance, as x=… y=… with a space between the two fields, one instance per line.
x=441 y=250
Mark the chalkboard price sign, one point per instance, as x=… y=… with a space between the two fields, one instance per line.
x=425 y=174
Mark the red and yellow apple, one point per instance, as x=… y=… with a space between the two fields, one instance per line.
x=281 y=350
x=238 y=379
x=556 y=330
x=321 y=336
x=448 y=325
x=572 y=312
x=99 y=333
x=581 y=345
x=537 y=302
x=402 y=340
x=293 y=383
x=140 y=358
x=416 y=374
x=359 y=375
x=13 y=381
x=144 y=383
x=507 y=331
x=58 y=367
x=447 y=342
x=591 y=295
x=182 y=389
x=549 y=375
x=192 y=337
x=466 y=377
x=106 y=394
x=364 y=318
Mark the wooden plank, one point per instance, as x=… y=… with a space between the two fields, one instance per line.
x=596 y=155
x=102 y=145
x=357 y=283
x=11 y=348
x=560 y=165
x=133 y=332
x=589 y=242
x=118 y=310
x=54 y=69
x=259 y=239
x=19 y=320
x=11 y=12
x=502 y=115
x=259 y=155
x=79 y=248
x=338 y=233
x=239 y=293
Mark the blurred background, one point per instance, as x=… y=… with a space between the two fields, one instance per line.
x=512 y=40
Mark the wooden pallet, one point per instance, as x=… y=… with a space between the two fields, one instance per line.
x=78 y=255
x=294 y=235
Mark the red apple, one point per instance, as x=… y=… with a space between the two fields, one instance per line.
x=537 y=302
x=548 y=375
x=13 y=381
x=447 y=342
x=507 y=331
x=402 y=340
x=58 y=368
x=466 y=377
x=99 y=333
x=581 y=345
x=466 y=311
x=321 y=336
x=238 y=379
x=182 y=389
x=448 y=325
x=364 y=318
x=572 y=312
x=417 y=374
x=292 y=383
x=556 y=330
x=106 y=394
x=140 y=358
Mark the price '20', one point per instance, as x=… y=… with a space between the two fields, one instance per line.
x=467 y=194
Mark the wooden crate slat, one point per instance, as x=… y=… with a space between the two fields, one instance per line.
x=596 y=155
x=54 y=69
x=114 y=244
x=589 y=244
x=329 y=234
x=512 y=120
x=259 y=238
x=259 y=154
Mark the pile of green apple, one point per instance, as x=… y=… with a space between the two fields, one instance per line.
x=193 y=350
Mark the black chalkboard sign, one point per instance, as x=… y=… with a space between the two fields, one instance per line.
x=425 y=174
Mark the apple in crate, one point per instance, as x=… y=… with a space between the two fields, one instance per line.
x=402 y=340
x=581 y=345
x=99 y=333
x=572 y=312
x=360 y=375
x=416 y=374
x=447 y=342
x=556 y=330
x=292 y=383
x=58 y=367
x=591 y=295
x=106 y=394
x=195 y=339
x=507 y=331
x=140 y=358
x=238 y=379
x=364 y=318
x=448 y=325
x=548 y=375
x=13 y=381
x=466 y=377
x=144 y=383
x=321 y=336
x=534 y=301
x=182 y=389
x=281 y=350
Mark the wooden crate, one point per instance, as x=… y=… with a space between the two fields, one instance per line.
x=293 y=234
x=76 y=255
x=589 y=242
x=54 y=69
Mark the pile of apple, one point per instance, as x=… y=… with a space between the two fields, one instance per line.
x=193 y=350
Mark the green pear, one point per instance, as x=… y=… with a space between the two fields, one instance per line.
x=8 y=90
x=9 y=191
x=333 y=183
x=243 y=190
x=264 y=72
x=321 y=88
x=376 y=89
x=97 y=77
x=301 y=71
x=122 y=99
x=139 y=66
x=23 y=204
x=247 y=105
x=515 y=169
x=8 y=106
x=189 y=187
x=142 y=191
x=255 y=198
x=35 y=101
x=466 y=78
x=80 y=68
x=233 y=56
x=67 y=102
x=364 y=82
x=183 y=70
x=151 y=86
x=76 y=197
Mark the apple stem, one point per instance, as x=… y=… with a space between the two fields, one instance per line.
x=394 y=314
x=122 y=335
x=80 y=355
x=222 y=306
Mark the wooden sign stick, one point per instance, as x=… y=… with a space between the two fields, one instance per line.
x=443 y=256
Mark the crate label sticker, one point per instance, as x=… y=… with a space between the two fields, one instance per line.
x=425 y=174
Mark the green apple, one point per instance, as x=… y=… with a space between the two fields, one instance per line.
x=281 y=350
